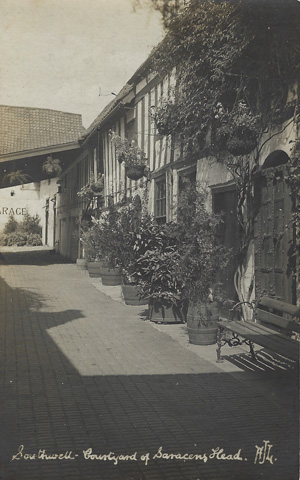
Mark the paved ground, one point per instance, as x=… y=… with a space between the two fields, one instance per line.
x=85 y=377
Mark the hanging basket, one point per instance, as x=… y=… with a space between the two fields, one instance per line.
x=49 y=169
x=97 y=187
x=163 y=128
x=242 y=142
x=135 y=172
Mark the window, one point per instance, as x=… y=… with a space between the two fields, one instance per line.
x=160 y=200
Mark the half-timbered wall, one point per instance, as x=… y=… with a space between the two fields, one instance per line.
x=137 y=125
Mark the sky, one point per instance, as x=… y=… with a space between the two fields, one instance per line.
x=69 y=55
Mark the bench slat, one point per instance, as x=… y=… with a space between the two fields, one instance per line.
x=277 y=337
x=260 y=330
x=268 y=302
x=264 y=337
x=267 y=317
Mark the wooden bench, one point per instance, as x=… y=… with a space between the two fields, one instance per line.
x=273 y=324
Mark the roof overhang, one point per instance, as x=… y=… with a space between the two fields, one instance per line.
x=39 y=151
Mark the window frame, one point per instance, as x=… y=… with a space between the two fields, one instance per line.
x=160 y=199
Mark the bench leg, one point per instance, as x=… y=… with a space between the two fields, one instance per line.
x=252 y=351
x=219 y=335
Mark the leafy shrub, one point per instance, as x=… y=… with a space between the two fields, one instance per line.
x=31 y=224
x=34 y=239
x=3 y=240
x=26 y=232
x=20 y=239
x=89 y=237
x=179 y=261
x=156 y=257
x=11 y=225
x=201 y=253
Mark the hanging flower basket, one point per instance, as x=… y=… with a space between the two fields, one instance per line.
x=135 y=172
x=97 y=187
x=163 y=128
x=242 y=141
x=167 y=117
x=51 y=166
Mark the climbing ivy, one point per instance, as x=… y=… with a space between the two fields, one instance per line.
x=227 y=53
x=237 y=77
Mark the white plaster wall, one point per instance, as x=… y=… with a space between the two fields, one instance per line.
x=280 y=141
x=209 y=173
x=18 y=201
x=31 y=198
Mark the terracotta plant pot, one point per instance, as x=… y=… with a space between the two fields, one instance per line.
x=165 y=312
x=131 y=295
x=202 y=324
x=111 y=276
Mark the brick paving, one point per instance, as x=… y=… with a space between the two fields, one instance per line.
x=83 y=375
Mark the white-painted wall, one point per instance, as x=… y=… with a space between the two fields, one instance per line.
x=31 y=198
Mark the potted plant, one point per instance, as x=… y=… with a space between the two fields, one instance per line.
x=236 y=131
x=166 y=117
x=97 y=184
x=51 y=166
x=81 y=263
x=161 y=285
x=200 y=258
x=132 y=155
x=129 y=221
x=94 y=187
x=109 y=243
x=156 y=272
x=91 y=248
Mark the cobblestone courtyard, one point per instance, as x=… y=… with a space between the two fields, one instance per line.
x=86 y=378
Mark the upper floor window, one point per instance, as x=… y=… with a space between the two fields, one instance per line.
x=160 y=200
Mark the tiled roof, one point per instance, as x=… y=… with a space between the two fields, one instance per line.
x=106 y=111
x=25 y=129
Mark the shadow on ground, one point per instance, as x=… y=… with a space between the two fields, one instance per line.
x=48 y=407
x=32 y=257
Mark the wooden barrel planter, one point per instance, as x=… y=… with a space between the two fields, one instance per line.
x=202 y=324
x=111 y=276
x=165 y=312
x=94 y=268
x=81 y=263
x=131 y=295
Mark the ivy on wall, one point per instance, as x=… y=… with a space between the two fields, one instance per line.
x=237 y=69
x=228 y=53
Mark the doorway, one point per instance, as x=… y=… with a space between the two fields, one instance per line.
x=273 y=231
